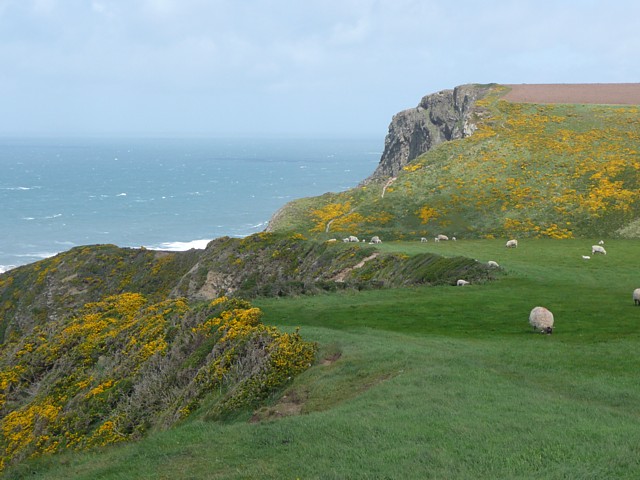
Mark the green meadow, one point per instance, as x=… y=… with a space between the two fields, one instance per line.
x=431 y=382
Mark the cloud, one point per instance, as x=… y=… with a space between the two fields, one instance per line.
x=332 y=57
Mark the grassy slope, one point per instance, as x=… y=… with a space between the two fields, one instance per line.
x=437 y=382
x=549 y=171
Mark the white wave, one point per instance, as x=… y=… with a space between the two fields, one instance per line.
x=261 y=224
x=40 y=255
x=54 y=216
x=181 y=246
x=67 y=244
x=121 y=195
x=28 y=218
x=6 y=268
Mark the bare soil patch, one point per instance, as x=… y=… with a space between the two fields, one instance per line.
x=592 y=93
x=289 y=404
x=340 y=276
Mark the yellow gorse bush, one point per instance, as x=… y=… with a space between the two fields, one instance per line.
x=96 y=376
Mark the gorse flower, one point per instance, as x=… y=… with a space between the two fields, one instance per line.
x=122 y=364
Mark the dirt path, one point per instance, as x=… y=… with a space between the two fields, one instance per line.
x=343 y=274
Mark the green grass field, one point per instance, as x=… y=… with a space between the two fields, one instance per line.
x=439 y=382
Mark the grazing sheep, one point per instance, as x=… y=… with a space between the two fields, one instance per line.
x=331 y=240
x=461 y=283
x=601 y=242
x=586 y=257
x=636 y=296
x=436 y=239
x=375 y=239
x=423 y=240
x=493 y=264
x=598 y=249
x=541 y=319
x=454 y=239
x=345 y=240
x=353 y=238
x=442 y=237
x=512 y=243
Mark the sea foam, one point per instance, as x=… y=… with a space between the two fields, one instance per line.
x=181 y=246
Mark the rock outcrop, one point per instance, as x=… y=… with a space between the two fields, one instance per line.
x=442 y=116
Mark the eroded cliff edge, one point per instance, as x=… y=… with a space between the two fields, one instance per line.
x=439 y=117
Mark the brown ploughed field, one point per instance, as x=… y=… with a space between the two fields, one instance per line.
x=597 y=93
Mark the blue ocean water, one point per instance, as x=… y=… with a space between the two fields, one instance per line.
x=171 y=194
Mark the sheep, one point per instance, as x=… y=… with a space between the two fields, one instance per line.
x=461 y=283
x=436 y=239
x=375 y=239
x=598 y=249
x=345 y=240
x=541 y=319
x=493 y=264
x=512 y=243
x=601 y=242
x=586 y=257
x=454 y=239
x=636 y=296
x=353 y=238
x=331 y=240
x=442 y=237
x=423 y=240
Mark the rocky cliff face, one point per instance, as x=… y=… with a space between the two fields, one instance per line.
x=442 y=116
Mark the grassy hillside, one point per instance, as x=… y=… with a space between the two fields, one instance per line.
x=544 y=171
x=432 y=382
x=102 y=344
x=263 y=264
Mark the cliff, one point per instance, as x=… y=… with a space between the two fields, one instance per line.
x=439 y=117
x=468 y=163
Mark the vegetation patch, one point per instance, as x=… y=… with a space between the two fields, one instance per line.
x=543 y=171
x=123 y=366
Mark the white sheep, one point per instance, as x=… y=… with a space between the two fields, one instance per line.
x=512 y=243
x=423 y=240
x=454 y=239
x=375 y=239
x=345 y=240
x=601 y=242
x=586 y=257
x=598 y=249
x=493 y=264
x=331 y=240
x=461 y=283
x=353 y=238
x=442 y=237
x=541 y=319
x=636 y=296
x=436 y=239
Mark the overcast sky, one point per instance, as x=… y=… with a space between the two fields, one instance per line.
x=286 y=67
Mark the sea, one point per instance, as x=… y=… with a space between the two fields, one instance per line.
x=165 y=194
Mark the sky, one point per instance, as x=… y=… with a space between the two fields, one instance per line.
x=289 y=68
